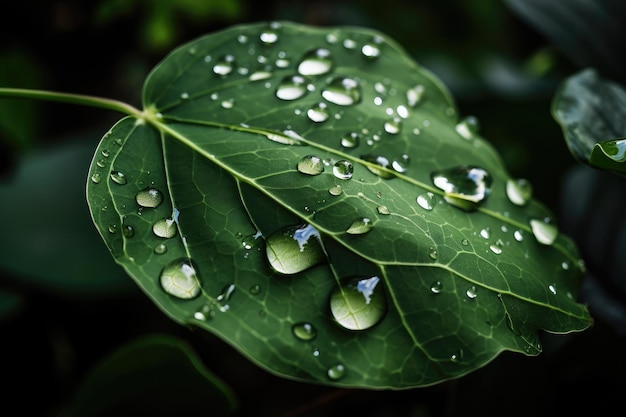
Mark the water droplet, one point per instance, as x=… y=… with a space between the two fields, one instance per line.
x=101 y=163
x=393 y=126
x=463 y=186
x=336 y=372
x=335 y=190
x=342 y=91
x=350 y=140
x=370 y=51
x=179 y=279
x=414 y=95
x=379 y=161
x=228 y=104
x=316 y=62
x=294 y=249
x=269 y=37
x=311 y=165
x=426 y=200
x=224 y=65
x=400 y=165
x=255 y=289
x=118 y=177
x=383 y=210
x=128 y=230
x=471 y=292
x=292 y=88
x=519 y=191
x=259 y=75
x=464 y=242
x=458 y=356
x=436 y=287
x=318 y=113
x=358 y=303
x=544 y=230
x=304 y=331
x=165 y=228
x=105 y=153
x=343 y=169
x=360 y=226
x=160 y=249
x=495 y=248
x=149 y=197
x=432 y=252
x=206 y=312
x=226 y=294
x=468 y=127
x=288 y=137
x=96 y=178
x=552 y=288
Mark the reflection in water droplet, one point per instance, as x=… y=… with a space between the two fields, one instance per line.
x=485 y=233
x=343 y=170
x=432 y=252
x=359 y=303
x=464 y=186
x=342 y=91
x=179 y=279
x=518 y=235
x=360 y=226
x=519 y=191
x=318 y=113
x=336 y=372
x=414 y=95
x=96 y=178
x=316 y=62
x=401 y=164
x=292 y=88
x=426 y=200
x=304 y=331
x=149 y=197
x=269 y=37
x=393 y=126
x=370 y=51
x=552 y=288
x=294 y=249
x=379 y=161
x=311 y=165
x=350 y=140
x=165 y=228
x=436 y=287
x=128 y=230
x=544 y=231
x=468 y=127
x=224 y=65
x=160 y=249
x=118 y=177
x=335 y=190
x=471 y=292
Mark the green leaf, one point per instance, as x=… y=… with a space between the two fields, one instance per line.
x=310 y=196
x=591 y=113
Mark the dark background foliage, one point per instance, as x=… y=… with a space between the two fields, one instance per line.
x=55 y=330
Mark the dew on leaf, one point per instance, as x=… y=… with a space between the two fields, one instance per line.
x=360 y=226
x=552 y=288
x=436 y=287
x=292 y=88
x=311 y=165
x=128 y=230
x=383 y=210
x=294 y=249
x=464 y=186
x=401 y=164
x=432 y=252
x=426 y=200
x=544 y=231
x=343 y=169
x=224 y=65
x=350 y=140
x=336 y=372
x=269 y=37
x=376 y=162
x=370 y=51
x=318 y=113
x=255 y=289
x=519 y=191
x=468 y=127
x=485 y=233
x=179 y=279
x=335 y=190
x=304 y=331
x=495 y=248
x=414 y=95
x=358 y=303
x=96 y=178
x=471 y=292
x=160 y=249
x=393 y=126
x=165 y=228
x=118 y=177
x=316 y=62
x=518 y=235
x=343 y=91
x=149 y=197
x=101 y=163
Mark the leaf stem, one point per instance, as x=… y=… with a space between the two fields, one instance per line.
x=79 y=99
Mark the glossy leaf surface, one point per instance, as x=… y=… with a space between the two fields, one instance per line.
x=310 y=196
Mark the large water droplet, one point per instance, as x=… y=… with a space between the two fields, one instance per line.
x=544 y=230
x=149 y=197
x=464 y=186
x=118 y=177
x=379 y=161
x=179 y=279
x=426 y=200
x=318 y=113
x=358 y=303
x=304 y=331
x=292 y=88
x=519 y=191
x=224 y=65
x=294 y=249
x=343 y=169
x=165 y=228
x=316 y=62
x=311 y=165
x=342 y=91
x=360 y=226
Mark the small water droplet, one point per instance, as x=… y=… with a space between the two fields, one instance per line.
x=224 y=65
x=401 y=164
x=101 y=163
x=552 y=288
x=293 y=249
x=485 y=233
x=128 y=230
x=335 y=190
x=414 y=95
x=358 y=303
x=519 y=191
x=318 y=113
x=383 y=210
x=436 y=287
x=471 y=292
x=304 y=331
x=179 y=279
x=544 y=231
x=149 y=197
x=426 y=200
x=495 y=248
x=316 y=62
x=360 y=226
x=105 y=153
x=255 y=289
x=464 y=242
x=165 y=228
x=468 y=127
x=336 y=372
x=432 y=252
x=350 y=140
x=343 y=169
x=160 y=249
x=292 y=88
x=96 y=178
x=311 y=165
x=343 y=91
x=118 y=177
x=269 y=37
x=458 y=356
x=393 y=126
x=226 y=294
x=379 y=161
x=463 y=186
x=228 y=104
